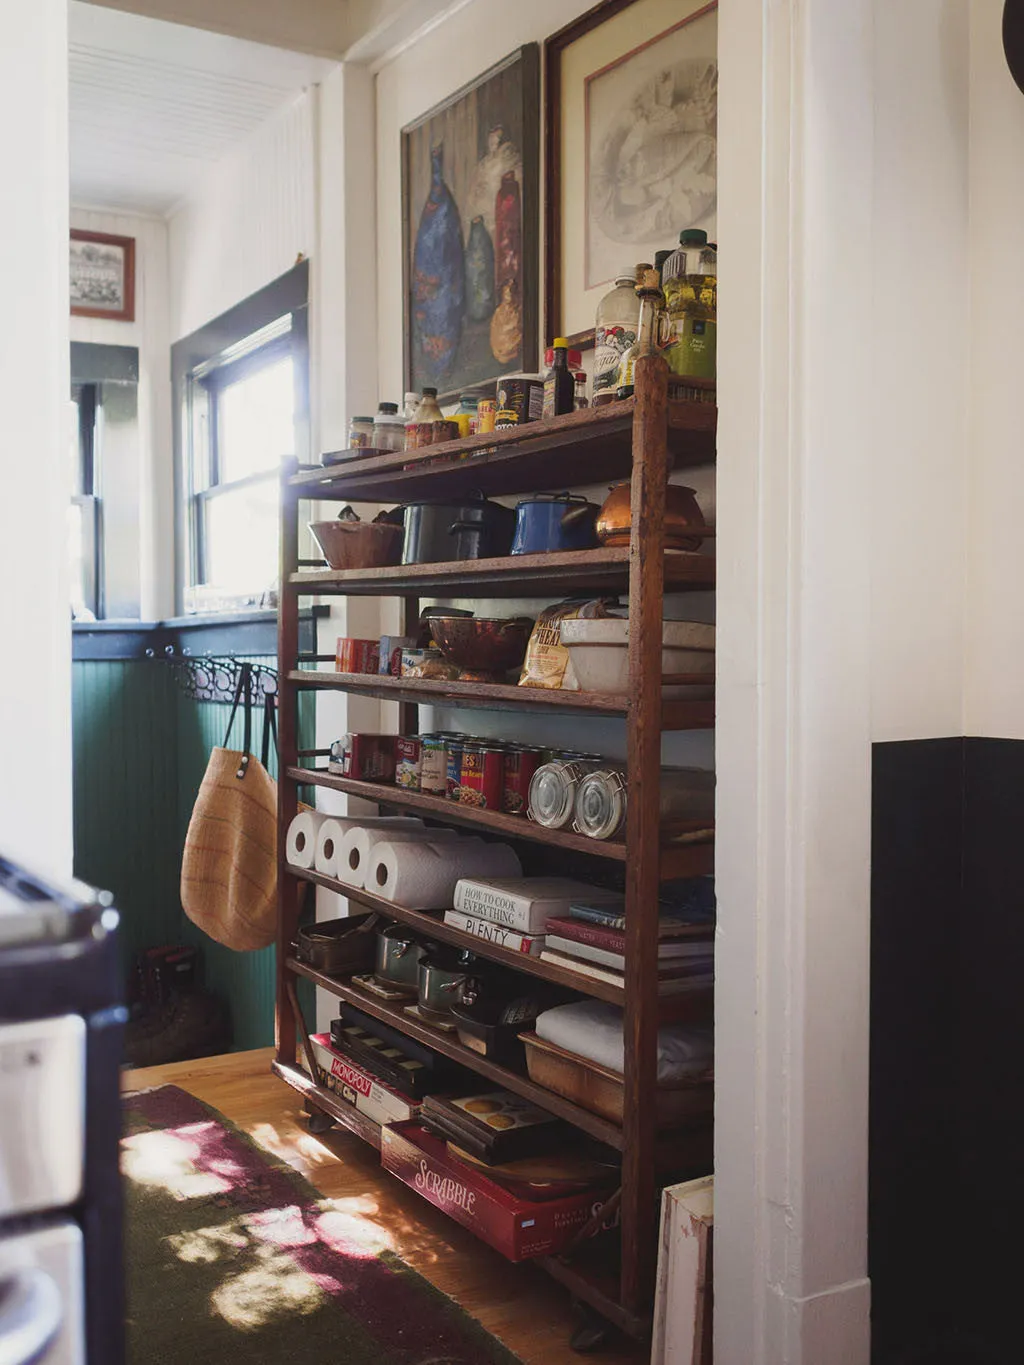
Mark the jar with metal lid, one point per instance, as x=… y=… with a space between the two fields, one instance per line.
x=601 y=801
x=360 y=433
x=388 y=428
x=553 y=793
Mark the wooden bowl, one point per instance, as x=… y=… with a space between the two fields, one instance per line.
x=358 y=544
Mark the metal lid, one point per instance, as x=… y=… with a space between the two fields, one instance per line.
x=600 y=810
x=553 y=794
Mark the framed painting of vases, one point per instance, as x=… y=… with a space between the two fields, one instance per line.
x=470 y=213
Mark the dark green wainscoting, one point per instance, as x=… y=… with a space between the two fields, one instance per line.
x=140 y=748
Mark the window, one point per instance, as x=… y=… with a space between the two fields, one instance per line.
x=241 y=386
x=244 y=426
x=84 y=518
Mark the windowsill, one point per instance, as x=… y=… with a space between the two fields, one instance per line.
x=252 y=632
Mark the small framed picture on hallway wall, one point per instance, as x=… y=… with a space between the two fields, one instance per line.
x=102 y=279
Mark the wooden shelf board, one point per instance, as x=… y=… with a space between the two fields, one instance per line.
x=677 y=714
x=597 y=1286
x=345 y=1114
x=549 y=575
x=699 y=856
x=691 y=1006
x=449 y=1046
x=586 y=447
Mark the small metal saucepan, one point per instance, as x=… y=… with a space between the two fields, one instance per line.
x=398 y=956
x=443 y=979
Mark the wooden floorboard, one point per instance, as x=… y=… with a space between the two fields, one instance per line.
x=519 y=1304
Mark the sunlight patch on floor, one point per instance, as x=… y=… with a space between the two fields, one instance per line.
x=275 y=1287
x=166 y=1160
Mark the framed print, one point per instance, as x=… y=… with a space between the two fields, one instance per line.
x=102 y=276
x=470 y=225
x=631 y=112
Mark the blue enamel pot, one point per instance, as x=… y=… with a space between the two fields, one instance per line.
x=554 y=521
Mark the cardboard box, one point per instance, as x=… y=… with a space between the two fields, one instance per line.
x=518 y=1228
x=369 y=1095
x=682 y=1333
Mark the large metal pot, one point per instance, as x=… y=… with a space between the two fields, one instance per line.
x=442 y=979
x=436 y=532
x=398 y=957
x=554 y=521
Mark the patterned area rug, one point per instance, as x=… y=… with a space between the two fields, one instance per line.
x=234 y=1259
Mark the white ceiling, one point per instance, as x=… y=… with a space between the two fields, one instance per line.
x=154 y=105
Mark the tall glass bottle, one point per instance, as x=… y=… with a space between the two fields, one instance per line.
x=648 y=291
x=690 y=278
x=615 y=330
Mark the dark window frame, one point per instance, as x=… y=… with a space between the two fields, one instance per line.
x=87 y=396
x=201 y=364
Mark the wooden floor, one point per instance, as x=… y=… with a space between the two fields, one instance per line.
x=519 y=1304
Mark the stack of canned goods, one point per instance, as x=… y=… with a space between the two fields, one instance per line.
x=557 y=788
x=485 y=774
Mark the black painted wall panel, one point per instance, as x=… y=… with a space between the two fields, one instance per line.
x=947 y=1033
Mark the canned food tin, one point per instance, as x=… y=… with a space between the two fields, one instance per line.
x=444 y=430
x=522 y=394
x=485 y=411
x=408 y=760
x=433 y=765
x=520 y=765
x=482 y=777
x=453 y=769
x=505 y=417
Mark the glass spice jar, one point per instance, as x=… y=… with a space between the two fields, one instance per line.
x=360 y=433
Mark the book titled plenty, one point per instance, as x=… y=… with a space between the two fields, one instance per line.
x=525 y=903
x=497 y=934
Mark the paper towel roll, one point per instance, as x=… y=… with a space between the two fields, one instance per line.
x=422 y=876
x=302 y=836
x=331 y=835
x=358 y=845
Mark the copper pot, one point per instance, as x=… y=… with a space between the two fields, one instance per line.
x=681 y=513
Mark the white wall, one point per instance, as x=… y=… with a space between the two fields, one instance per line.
x=35 y=635
x=246 y=221
x=994 y=622
x=150 y=332
x=916 y=268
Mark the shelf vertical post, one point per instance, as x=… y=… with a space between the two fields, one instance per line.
x=643 y=835
x=288 y=887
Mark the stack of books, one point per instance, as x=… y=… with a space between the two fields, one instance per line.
x=591 y=940
x=513 y=912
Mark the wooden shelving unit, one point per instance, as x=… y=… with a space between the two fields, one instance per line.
x=640 y=440
x=673 y=1008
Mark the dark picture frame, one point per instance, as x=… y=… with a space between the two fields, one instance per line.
x=102 y=276
x=466 y=325
x=554 y=228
